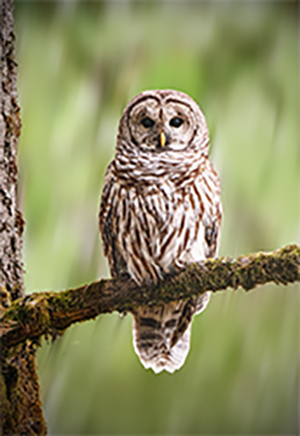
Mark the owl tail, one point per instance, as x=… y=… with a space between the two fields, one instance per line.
x=161 y=334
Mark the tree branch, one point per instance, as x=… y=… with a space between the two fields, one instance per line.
x=50 y=313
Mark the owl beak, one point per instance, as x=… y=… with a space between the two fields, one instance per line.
x=162 y=139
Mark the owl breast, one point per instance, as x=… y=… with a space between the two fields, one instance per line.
x=160 y=227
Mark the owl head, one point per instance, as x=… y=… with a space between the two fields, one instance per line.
x=163 y=121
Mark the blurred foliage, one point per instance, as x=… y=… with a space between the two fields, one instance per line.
x=79 y=64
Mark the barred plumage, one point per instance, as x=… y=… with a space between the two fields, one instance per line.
x=161 y=210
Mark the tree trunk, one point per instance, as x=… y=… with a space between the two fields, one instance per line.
x=20 y=404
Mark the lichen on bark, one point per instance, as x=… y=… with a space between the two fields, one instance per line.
x=50 y=313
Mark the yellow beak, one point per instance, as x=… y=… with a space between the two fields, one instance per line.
x=162 y=138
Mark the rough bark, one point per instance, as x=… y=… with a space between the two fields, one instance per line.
x=50 y=313
x=19 y=389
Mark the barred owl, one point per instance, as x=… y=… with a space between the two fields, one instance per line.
x=160 y=211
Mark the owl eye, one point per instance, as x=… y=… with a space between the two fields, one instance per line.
x=176 y=122
x=147 y=122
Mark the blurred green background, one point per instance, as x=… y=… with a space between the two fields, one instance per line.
x=79 y=64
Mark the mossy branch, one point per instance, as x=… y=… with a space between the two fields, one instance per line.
x=50 y=313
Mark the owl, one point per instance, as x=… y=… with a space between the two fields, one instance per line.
x=160 y=211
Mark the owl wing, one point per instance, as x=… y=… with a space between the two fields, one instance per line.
x=213 y=218
x=211 y=235
x=107 y=224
